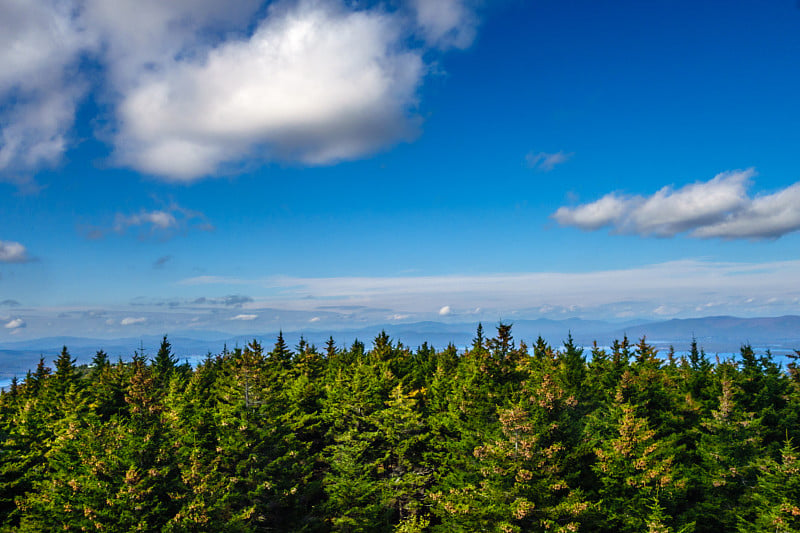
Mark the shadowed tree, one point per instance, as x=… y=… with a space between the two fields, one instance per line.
x=164 y=363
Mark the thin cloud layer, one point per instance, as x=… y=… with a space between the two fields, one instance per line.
x=233 y=300
x=446 y=23
x=546 y=162
x=198 y=87
x=154 y=219
x=161 y=261
x=685 y=285
x=719 y=208
x=677 y=289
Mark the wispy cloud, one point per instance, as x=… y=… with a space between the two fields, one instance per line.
x=446 y=23
x=545 y=162
x=10 y=303
x=244 y=317
x=161 y=261
x=164 y=222
x=233 y=300
x=213 y=280
x=719 y=208
x=680 y=284
x=674 y=289
x=13 y=252
x=154 y=219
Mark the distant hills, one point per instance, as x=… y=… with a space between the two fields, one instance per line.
x=717 y=334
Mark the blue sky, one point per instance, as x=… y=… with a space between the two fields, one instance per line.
x=249 y=166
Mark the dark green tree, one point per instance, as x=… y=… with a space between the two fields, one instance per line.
x=164 y=363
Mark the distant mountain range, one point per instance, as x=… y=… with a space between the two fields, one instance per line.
x=718 y=334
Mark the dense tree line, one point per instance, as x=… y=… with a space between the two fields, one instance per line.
x=500 y=437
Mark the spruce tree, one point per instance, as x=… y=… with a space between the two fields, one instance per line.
x=281 y=356
x=773 y=504
x=164 y=363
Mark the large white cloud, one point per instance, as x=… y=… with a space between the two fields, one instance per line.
x=40 y=42
x=719 y=208
x=768 y=216
x=196 y=86
x=315 y=83
x=146 y=35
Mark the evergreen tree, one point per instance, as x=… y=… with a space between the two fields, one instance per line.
x=635 y=470
x=394 y=439
x=522 y=485
x=99 y=364
x=66 y=373
x=164 y=363
x=281 y=356
x=773 y=504
x=330 y=348
x=478 y=341
x=729 y=444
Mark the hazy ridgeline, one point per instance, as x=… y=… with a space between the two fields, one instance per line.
x=498 y=437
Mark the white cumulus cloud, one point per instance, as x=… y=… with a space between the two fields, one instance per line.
x=444 y=311
x=315 y=83
x=720 y=207
x=129 y=321
x=764 y=217
x=13 y=252
x=39 y=41
x=15 y=324
x=198 y=87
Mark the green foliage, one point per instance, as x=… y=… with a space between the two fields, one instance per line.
x=393 y=439
x=774 y=502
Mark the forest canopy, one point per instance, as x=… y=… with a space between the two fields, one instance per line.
x=500 y=436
